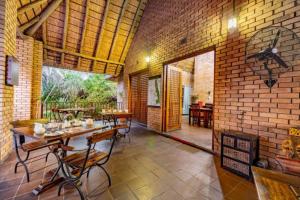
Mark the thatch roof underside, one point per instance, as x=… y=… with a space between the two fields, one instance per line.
x=84 y=35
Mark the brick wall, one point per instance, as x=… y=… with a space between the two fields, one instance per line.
x=204 y=73
x=22 y=92
x=8 y=17
x=242 y=101
x=37 y=79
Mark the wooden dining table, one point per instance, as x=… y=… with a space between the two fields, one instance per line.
x=116 y=115
x=205 y=110
x=275 y=185
x=65 y=137
x=74 y=111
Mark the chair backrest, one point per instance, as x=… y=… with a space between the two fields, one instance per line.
x=98 y=137
x=26 y=123
x=209 y=105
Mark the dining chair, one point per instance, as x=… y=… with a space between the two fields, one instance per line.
x=75 y=165
x=28 y=147
x=124 y=123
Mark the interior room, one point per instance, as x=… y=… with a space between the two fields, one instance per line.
x=197 y=80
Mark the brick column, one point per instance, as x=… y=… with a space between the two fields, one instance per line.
x=22 y=93
x=8 y=23
x=36 y=80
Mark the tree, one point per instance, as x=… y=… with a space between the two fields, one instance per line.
x=70 y=86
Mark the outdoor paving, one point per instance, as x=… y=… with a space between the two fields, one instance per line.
x=150 y=167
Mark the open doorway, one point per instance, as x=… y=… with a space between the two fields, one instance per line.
x=188 y=99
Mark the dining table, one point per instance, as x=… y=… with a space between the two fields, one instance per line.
x=116 y=115
x=64 y=136
x=272 y=184
x=205 y=110
x=74 y=111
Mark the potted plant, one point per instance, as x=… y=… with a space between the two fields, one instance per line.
x=194 y=98
x=290 y=162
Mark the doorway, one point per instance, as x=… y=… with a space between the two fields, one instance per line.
x=188 y=99
x=139 y=96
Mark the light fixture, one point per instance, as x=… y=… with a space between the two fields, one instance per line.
x=147 y=59
x=232 y=21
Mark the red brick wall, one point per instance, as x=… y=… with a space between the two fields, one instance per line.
x=8 y=22
x=22 y=93
x=267 y=113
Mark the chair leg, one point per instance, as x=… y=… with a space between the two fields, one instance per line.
x=16 y=166
x=27 y=172
x=108 y=176
x=61 y=185
x=79 y=191
x=88 y=173
x=47 y=155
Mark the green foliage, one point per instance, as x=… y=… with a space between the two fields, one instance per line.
x=69 y=86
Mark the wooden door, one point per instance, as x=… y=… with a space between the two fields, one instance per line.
x=173 y=98
x=139 y=96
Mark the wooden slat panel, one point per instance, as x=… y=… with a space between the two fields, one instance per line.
x=173 y=109
x=139 y=97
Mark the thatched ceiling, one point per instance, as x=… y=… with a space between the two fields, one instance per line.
x=85 y=35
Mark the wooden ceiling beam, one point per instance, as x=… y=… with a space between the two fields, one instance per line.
x=116 y=33
x=59 y=50
x=87 y=8
x=100 y=36
x=44 y=38
x=28 y=24
x=65 y=33
x=134 y=24
x=43 y=16
x=29 y=6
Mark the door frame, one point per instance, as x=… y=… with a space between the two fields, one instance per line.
x=129 y=102
x=164 y=91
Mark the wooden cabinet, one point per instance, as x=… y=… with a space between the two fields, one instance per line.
x=238 y=152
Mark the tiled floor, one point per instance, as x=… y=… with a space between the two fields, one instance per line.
x=199 y=136
x=150 y=167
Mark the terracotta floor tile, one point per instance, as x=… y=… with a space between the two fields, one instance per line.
x=150 y=167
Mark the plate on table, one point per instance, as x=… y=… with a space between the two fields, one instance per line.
x=54 y=134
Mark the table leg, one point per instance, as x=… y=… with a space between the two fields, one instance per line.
x=49 y=184
x=205 y=119
x=189 y=116
x=55 y=178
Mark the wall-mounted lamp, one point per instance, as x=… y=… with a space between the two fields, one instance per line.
x=232 y=21
x=147 y=59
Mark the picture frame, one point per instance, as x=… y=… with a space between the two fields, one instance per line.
x=12 y=71
x=154 y=91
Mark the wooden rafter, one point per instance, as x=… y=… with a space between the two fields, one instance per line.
x=100 y=36
x=28 y=24
x=29 y=6
x=44 y=37
x=81 y=55
x=116 y=33
x=134 y=24
x=66 y=23
x=43 y=16
x=83 y=30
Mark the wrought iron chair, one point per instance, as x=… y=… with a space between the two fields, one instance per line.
x=124 y=123
x=74 y=166
x=29 y=147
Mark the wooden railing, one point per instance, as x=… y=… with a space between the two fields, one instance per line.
x=48 y=106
